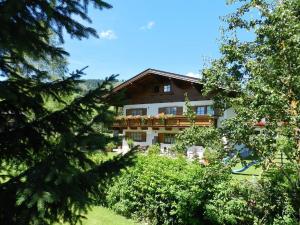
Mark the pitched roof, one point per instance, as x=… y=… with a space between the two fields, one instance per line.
x=155 y=72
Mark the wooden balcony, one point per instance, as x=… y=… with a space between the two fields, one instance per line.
x=161 y=121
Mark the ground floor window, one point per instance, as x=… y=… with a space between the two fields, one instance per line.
x=169 y=138
x=136 y=136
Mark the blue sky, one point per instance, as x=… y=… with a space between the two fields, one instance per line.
x=175 y=36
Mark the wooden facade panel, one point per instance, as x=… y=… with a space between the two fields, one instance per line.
x=145 y=91
x=161 y=137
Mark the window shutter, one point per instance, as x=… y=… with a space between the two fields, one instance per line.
x=160 y=138
x=144 y=111
x=144 y=137
x=179 y=111
x=128 y=112
x=162 y=110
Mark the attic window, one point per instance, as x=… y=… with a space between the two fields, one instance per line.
x=167 y=88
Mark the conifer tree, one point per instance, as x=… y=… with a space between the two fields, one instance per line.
x=46 y=174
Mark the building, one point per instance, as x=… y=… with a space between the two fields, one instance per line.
x=155 y=106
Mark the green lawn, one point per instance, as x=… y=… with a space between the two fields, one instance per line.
x=255 y=171
x=250 y=173
x=103 y=216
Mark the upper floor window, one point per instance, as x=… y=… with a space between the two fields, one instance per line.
x=210 y=110
x=171 y=110
x=167 y=88
x=136 y=112
x=205 y=110
x=201 y=110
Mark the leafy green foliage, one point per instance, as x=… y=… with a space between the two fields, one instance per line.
x=264 y=201
x=163 y=190
x=208 y=137
x=110 y=146
x=154 y=149
x=264 y=72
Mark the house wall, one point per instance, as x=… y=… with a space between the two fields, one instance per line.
x=152 y=110
x=150 y=136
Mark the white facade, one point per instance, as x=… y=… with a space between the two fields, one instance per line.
x=149 y=137
x=152 y=108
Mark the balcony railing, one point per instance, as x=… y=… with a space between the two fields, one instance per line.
x=162 y=121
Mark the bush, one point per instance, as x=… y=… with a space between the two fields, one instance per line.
x=130 y=143
x=110 y=146
x=266 y=201
x=154 y=149
x=162 y=190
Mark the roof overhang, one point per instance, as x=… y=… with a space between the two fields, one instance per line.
x=155 y=72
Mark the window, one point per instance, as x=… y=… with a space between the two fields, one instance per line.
x=210 y=110
x=136 y=112
x=205 y=110
x=201 y=110
x=169 y=138
x=171 y=110
x=136 y=136
x=167 y=88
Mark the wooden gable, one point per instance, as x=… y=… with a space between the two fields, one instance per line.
x=148 y=87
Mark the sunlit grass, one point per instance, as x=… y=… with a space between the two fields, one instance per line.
x=103 y=216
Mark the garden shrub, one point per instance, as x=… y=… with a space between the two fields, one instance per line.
x=154 y=149
x=164 y=190
x=265 y=201
x=110 y=146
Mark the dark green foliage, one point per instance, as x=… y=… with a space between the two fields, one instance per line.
x=28 y=26
x=163 y=190
x=47 y=126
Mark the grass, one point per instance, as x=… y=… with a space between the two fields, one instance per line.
x=103 y=216
x=250 y=173
x=255 y=171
